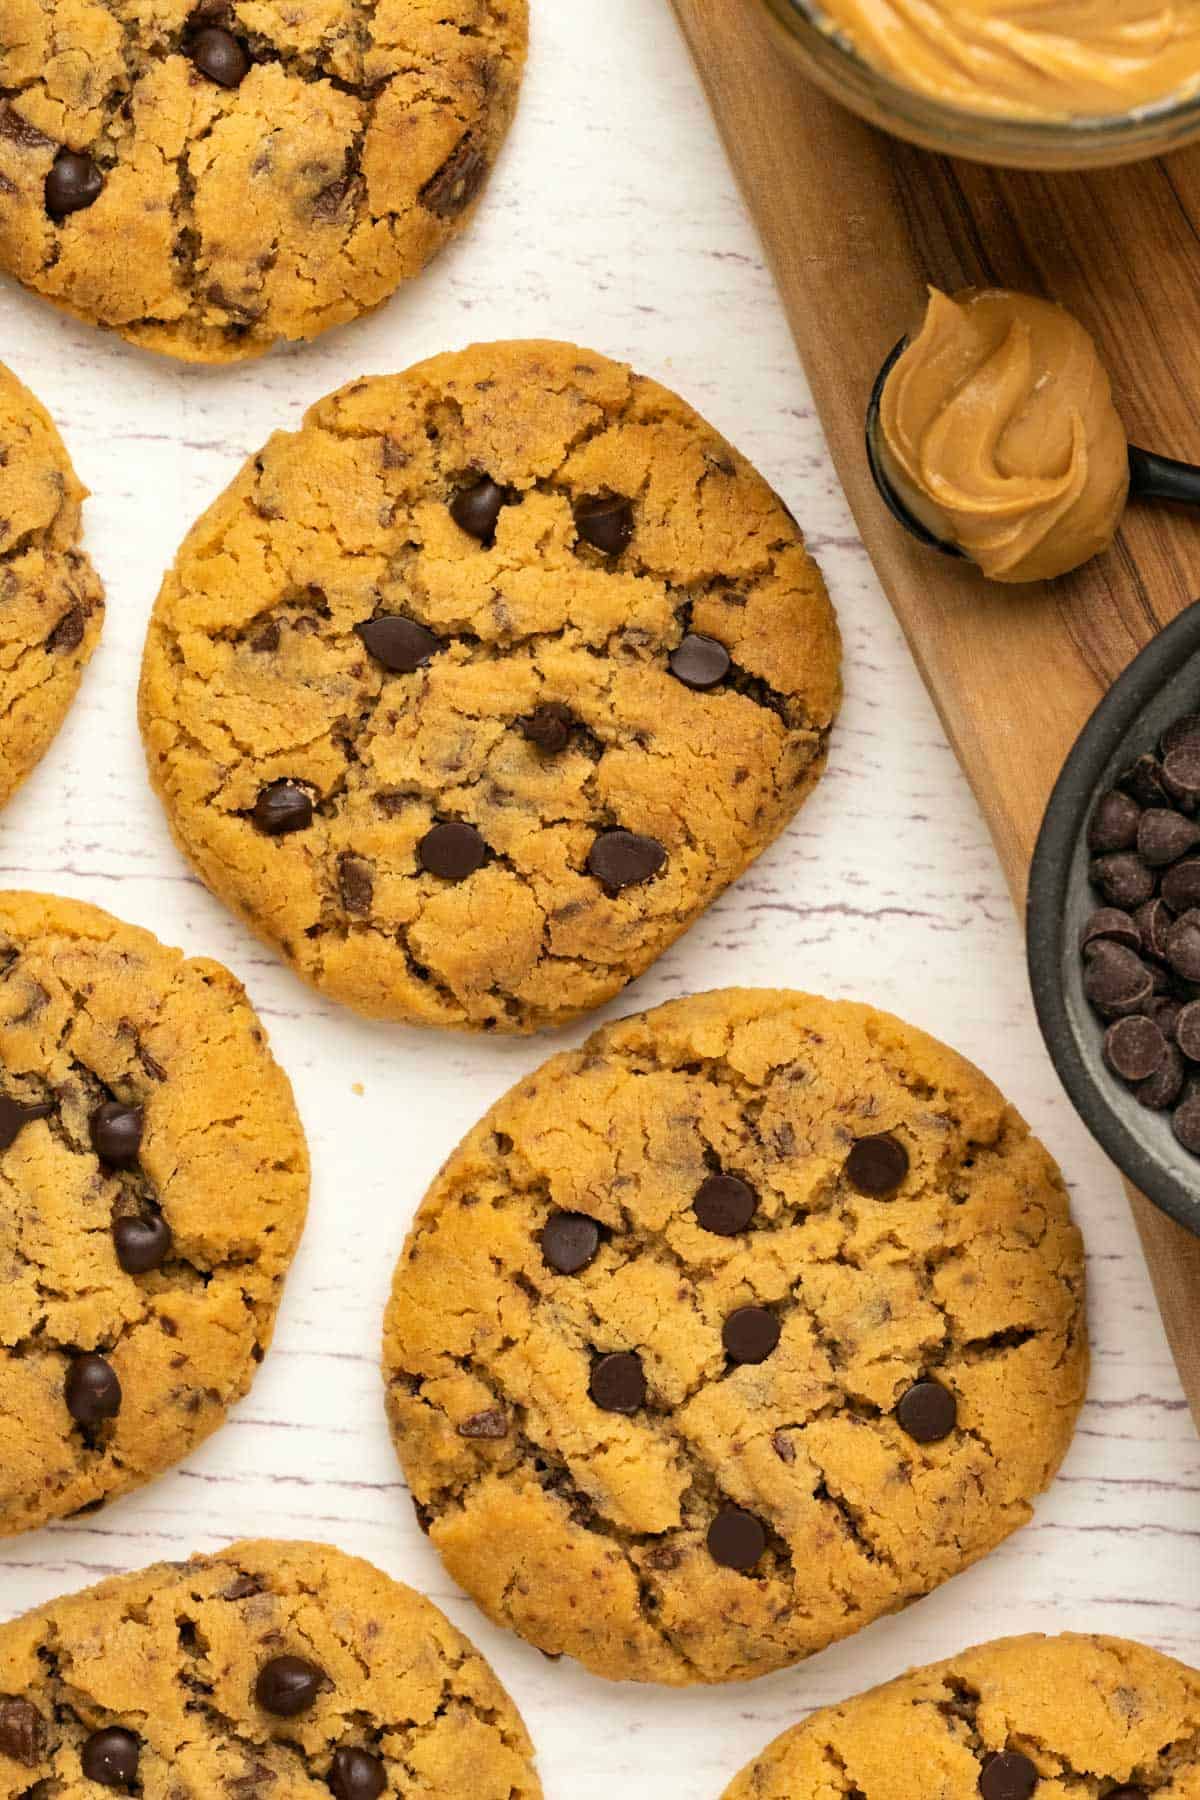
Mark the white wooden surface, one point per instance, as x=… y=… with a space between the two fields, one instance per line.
x=613 y=221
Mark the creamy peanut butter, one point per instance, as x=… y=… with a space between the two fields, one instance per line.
x=998 y=430
x=1030 y=58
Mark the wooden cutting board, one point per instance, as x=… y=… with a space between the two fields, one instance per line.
x=857 y=226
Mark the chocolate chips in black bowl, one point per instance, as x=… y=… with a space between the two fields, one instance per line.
x=1114 y=922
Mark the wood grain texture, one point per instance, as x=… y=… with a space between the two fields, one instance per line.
x=857 y=227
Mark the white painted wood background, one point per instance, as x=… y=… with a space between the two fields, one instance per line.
x=613 y=221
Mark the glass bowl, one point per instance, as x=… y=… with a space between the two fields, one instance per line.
x=1076 y=143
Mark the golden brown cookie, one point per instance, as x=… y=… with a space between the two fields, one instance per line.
x=1027 y=1718
x=53 y=604
x=753 y=1319
x=472 y=693
x=153 y=1182
x=285 y=1670
x=208 y=178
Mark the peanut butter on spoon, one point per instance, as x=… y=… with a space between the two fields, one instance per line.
x=998 y=431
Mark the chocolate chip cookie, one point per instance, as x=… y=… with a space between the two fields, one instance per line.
x=153 y=1181
x=1014 y=1720
x=208 y=176
x=272 y=1669
x=52 y=602
x=472 y=693
x=755 y=1318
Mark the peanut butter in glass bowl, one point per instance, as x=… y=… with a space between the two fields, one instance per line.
x=1046 y=84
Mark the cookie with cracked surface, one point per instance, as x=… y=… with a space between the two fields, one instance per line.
x=1014 y=1720
x=153 y=1183
x=281 y=1669
x=472 y=693
x=53 y=604
x=207 y=177
x=753 y=1319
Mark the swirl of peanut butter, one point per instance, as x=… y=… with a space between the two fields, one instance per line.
x=1039 y=59
x=997 y=428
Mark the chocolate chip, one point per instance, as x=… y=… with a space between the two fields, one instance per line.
x=476 y=509
x=605 y=521
x=1135 y=1048
x=1181 y=773
x=750 y=1334
x=401 y=645
x=1152 y=921
x=736 y=1539
x=288 y=1685
x=1113 y=824
x=1127 y=1793
x=356 y=1775
x=451 y=851
x=1187 y=1031
x=877 y=1165
x=1144 y=782
x=1007 y=1775
x=1165 y=835
x=356 y=883
x=67 y=635
x=142 y=1244
x=21 y=1728
x=570 y=1241
x=92 y=1390
x=111 y=1757
x=218 y=55
x=700 y=662
x=456 y=183
x=1180 y=887
x=622 y=859
x=116 y=1133
x=1165 y=1012
x=1183 y=945
x=928 y=1412
x=282 y=807
x=1115 y=980
x=1185 y=1121
x=725 y=1205
x=14 y=1116
x=489 y=1425
x=1111 y=922
x=74 y=182
x=1123 y=879
x=1164 y=1088
x=550 y=727
x=618 y=1382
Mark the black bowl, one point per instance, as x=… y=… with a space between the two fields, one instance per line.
x=1159 y=686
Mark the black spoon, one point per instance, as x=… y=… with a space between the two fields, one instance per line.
x=1151 y=477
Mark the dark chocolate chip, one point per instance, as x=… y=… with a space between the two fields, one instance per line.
x=1181 y=773
x=451 y=190
x=1152 y=921
x=928 y=1412
x=1185 y=1121
x=736 y=1539
x=67 y=635
x=490 y=1425
x=725 y=1204
x=1180 y=887
x=452 y=850
x=1127 y=1793
x=14 y=1116
x=21 y=1732
x=288 y=1685
x=475 y=509
x=1123 y=879
x=1116 y=981
x=877 y=1165
x=1183 y=945
x=622 y=859
x=605 y=521
x=1144 y=782
x=570 y=1241
x=618 y=1382
x=1165 y=835
x=750 y=1334
x=1165 y=1011
x=1180 y=732
x=1134 y=1048
x=1164 y=1088
x=74 y=182
x=111 y=1757
x=116 y=1133
x=1114 y=823
x=1007 y=1775
x=92 y=1390
x=1111 y=922
x=356 y=883
x=218 y=55
x=142 y=1244
x=282 y=807
x=1187 y=1030
x=550 y=727
x=700 y=662
x=401 y=645
x=356 y=1775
